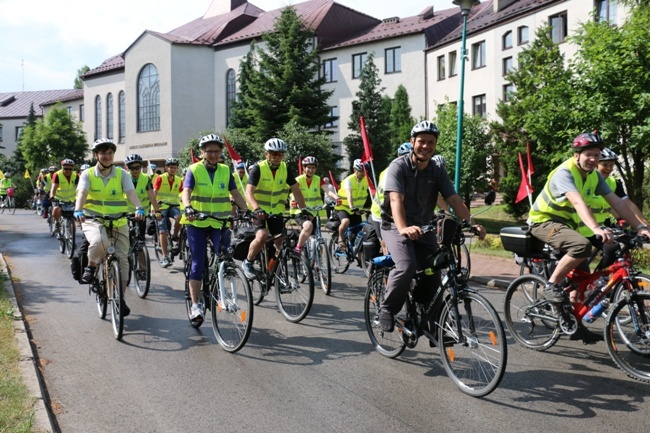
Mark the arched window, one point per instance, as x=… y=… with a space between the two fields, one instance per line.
x=121 y=130
x=98 y=117
x=231 y=93
x=148 y=99
x=109 y=116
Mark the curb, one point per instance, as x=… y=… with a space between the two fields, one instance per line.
x=490 y=282
x=40 y=419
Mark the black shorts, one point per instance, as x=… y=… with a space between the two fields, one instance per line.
x=273 y=223
x=354 y=218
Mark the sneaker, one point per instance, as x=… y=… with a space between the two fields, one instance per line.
x=553 y=293
x=248 y=269
x=195 y=314
x=386 y=321
x=298 y=250
x=165 y=263
x=175 y=238
x=88 y=275
x=125 y=309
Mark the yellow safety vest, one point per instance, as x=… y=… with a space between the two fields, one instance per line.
x=599 y=206
x=210 y=196
x=168 y=194
x=359 y=192
x=67 y=190
x=311 y=194
x=271 y=192
x=378 y=199
x=109 y=199
x=141 y=191
x=47 y=180
x=5 y=184
x=547 y=208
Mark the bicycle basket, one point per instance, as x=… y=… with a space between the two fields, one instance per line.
x=333 y=223
x=447 y=228
x=151 y=228
x=10 y=192
x=67 y=209
x=244 y=235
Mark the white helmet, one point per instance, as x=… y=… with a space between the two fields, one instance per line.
x=357 y=165
x=210 y=138
x=275 y=145
x=309 y=160
x=103 y=142
x=84 y=167
x=425 y=127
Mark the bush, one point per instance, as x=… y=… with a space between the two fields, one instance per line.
x=23 y=192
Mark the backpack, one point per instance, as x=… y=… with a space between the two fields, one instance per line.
x=79 y=261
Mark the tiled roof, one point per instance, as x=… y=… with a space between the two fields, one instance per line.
x=70 y=96
x=16 y=104
x=112 y=63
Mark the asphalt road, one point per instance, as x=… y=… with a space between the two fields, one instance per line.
x=321 y=375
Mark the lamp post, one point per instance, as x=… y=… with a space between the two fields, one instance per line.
x=465 y=8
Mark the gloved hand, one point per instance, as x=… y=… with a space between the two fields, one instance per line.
x=78 y=215
x=139 y=213
x=259 y=213
x=304 y=212
x=190 y=212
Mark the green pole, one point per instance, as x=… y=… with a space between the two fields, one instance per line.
x=459 y=131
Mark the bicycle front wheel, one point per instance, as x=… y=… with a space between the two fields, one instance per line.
x=61 y=238
x=323 y=267
x=12 y=205
x=389 y=344
x=50 y=222
x=259 y=285
x=340 y=262
x=476 y=361
x=627 y=335
x=141 y=267
x=294 y=298
x=115 y=293
x=232 y=315
x=532 y=322
x=100 y=293
x=69 y=231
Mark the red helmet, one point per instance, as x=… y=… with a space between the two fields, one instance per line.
x=588 y=140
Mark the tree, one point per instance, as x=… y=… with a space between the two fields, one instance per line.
x=401 y=121
x=78 y=82
x=370 y=104
x=243 y=116
x=54 y=138
x=301 y=143
x=477 y=150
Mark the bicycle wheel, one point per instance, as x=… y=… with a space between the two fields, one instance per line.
x=115 y=293
x=12 y=205
x=61 y=238
x=100 y=292
x=258 y=285
x=531 y=322
x=141 y=267
x=389 y=344
x=156 y=244
x=69 y=231
x=323 y=267
x=232 y=316
x=340 y=262
x=4 y=205
x=188 y=298
x=477 y=361
x=365 y=264
x=294 y=298
x=627 y=335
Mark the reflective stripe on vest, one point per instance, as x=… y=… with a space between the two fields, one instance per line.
x=141 y=191
x=67 y=190
x=547 y=208
x=378 y=199
x=359 y=192
x=109 y=199
x=210 y=196
x=168 y=194
x=271 y=192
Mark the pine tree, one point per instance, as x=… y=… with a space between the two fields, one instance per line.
x=401 y=121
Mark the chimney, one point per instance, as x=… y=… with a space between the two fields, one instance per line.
x=499 y=5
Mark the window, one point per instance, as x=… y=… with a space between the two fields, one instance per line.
x=69 y=108
x=393 y=60
x=522 y=35
x=441 y=68
x=606 y=11
x=121 y=114
x=479 y=105
x=358 y=60
x=507 y=90
x=478 y=55
x=231 y=93
x=453 y=64
x=507 y=40
x=330 y=70
x=0 y=133
x=19 y=132
x=507 y=65
x=334 y=112
x=558 y=27
x=109 y=116
x=98 y=117
x=82 y=115
x=148 y=99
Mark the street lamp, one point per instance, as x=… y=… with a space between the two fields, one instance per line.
x=465 y=8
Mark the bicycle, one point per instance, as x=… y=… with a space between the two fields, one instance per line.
x=9 y=202
x=317 y=253
x=467 y=329
x=67 y=231
x=139 y=262
x=352 y=238
x=285 y=269
x=537 y=324
x=173 y=248
x=107 y=284
x=226 y=292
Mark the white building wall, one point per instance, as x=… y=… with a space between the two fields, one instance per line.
x=102 y=86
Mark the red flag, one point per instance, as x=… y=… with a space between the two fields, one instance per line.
x=333 y=181
x=371 y=186
x=531 y=170
x=231 y=151
x=367 y=151
x=524 y=189
x=299 y=164
x=194 y=158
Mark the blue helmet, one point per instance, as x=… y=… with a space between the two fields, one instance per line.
x=240 y=165
x=404 y=148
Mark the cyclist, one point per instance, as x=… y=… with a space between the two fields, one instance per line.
x=143 y=188
x=167 y=187
x=207 y=189
x=46 y=181
x=241 y=178
x=562 y=211
x=412 y=185
x=353 y=194
x=64 y=188
x=268 y=186
x=101 y=191
x=331 y=197
x=5 y=183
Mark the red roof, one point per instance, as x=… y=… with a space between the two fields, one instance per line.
x=17 y=104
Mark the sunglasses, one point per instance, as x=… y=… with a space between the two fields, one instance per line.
x=67 y=169
x=274 y=153
x=135 y=167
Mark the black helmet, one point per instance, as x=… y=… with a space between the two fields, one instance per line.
x=425 y=127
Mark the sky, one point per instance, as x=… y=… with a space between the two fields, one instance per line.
x=43 y=43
